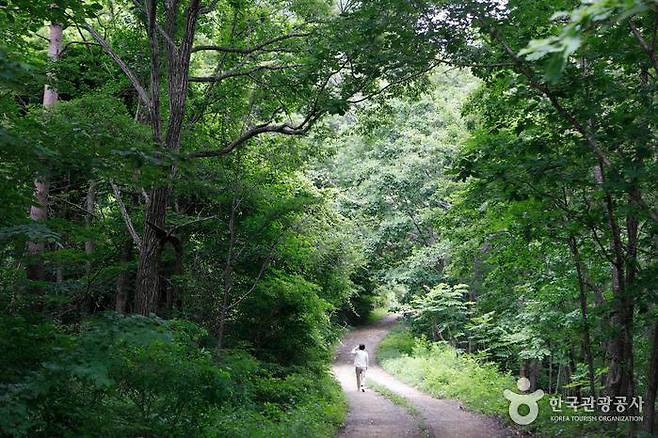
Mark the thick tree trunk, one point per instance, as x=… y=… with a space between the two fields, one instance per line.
x=566 y=377
x=534 y=370
x=550 y=374
x=121 y=299
x=147 y=287
x=39 y=212
x=619 y=379
x=223 y=313
x=90 y=244
x=574 y=367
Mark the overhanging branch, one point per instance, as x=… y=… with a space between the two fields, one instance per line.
x=141 y=91
x=220 y=76
x=646 y=47
x=252 y=132
x=557 y=104
x=249 y=50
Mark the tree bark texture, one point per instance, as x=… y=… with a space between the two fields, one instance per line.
x=39 y=211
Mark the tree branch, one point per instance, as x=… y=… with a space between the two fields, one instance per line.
x=141 y=92
x=209 y=8
x=283 y=128
x=59 y=198
x=261 y=271
x=394 y=83
x=220 y=76
x=249 y=50
x=186 y=224
x=637 y=198
x=159 y=28
x=126 y=217
x=69 y=44
x=650 y=51
x=542 y=88
x=194 y=118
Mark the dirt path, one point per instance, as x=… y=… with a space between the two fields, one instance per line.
x=372 y=415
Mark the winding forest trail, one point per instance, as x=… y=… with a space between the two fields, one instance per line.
x=372 y=415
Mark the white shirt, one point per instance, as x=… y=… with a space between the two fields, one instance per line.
x=360 y=357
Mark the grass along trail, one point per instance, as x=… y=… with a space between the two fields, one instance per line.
x=406 y=412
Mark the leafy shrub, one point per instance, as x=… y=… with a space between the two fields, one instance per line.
x=311 y=405
x=442 y=371
x=397 y=343
x=287 y=321
x=440 y=311
x=120 y=375
x=137 y=376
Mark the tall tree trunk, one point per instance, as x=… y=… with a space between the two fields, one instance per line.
x=620 y=349
x=147 y=286
x=534 y=371
x=50 y=95
x=572 y=362
x=90 y=245
x=619 y=380
x=39 y=212
x=587 y=344
x=550 y=373
x=223 y=313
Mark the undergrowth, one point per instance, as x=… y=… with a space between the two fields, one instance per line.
x=444 y=372
x=133 y=376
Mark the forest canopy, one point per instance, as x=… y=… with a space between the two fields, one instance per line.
x=198 y=196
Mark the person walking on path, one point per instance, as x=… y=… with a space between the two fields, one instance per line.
x=361 y=363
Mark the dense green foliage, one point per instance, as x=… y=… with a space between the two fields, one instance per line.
x=214 y=188
x=439 y=370
x=255 y=272
x=528 y=237
x=443 y=371
x=137 y=376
